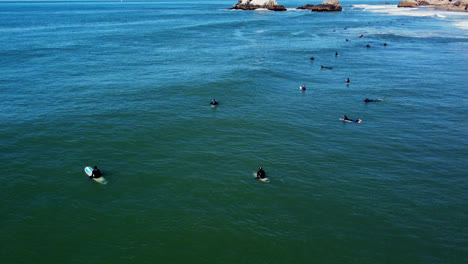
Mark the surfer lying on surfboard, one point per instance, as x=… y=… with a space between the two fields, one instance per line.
x=346 y=119
x=372 y=100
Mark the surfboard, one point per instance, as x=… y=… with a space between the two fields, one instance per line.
x=263 y=180
x=89 y=172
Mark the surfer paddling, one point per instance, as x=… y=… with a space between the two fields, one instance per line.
x=346 y=119
x=371 y=100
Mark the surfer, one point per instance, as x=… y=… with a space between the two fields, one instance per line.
x=336 y=53
x=345 y=118
x=261 y=173
x=214 y=102
x=371 y=100
x=303 y=87
x=312 y=58
x=347 y=82
x=96 y=173
x=368 y=46
x=325 y=67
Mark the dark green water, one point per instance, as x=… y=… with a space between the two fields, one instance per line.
x=127 y=86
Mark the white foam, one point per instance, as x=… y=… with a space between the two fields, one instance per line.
x=459 y=18
x=395 y=10
x=462 y=24
x=416 y=12
x=258 y=2
x=373 y=7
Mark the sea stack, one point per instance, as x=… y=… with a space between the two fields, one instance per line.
x=326 y=6
x=256 y=4
x=451 y=5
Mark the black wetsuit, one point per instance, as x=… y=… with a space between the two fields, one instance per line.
x=96 y=174
x=214 y=103
x=261 y=174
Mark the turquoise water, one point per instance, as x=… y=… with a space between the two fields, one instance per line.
x=126 y=86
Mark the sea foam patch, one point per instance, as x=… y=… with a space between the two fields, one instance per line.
x=397 y=11
x=459 y=18
x=418 y=12
x=462 y=24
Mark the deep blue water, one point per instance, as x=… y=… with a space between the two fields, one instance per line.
x=127 y=85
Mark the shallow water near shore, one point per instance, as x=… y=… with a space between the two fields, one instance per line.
x=127 y=86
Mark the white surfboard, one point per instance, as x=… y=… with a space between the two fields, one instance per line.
x=89 y=171
x=263 y=180
x=302 y=88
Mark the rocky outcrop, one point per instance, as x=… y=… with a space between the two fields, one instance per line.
x=277 y=8
x=408 y=4
x=452 y=5
x=306 y=7
x=327 y=6
x=256 y=4
x=423 y=3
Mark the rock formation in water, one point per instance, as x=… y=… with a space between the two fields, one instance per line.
x=452 y=5
x=255 y=4
x=408 y=4
x=306 y=7
x=326 y=6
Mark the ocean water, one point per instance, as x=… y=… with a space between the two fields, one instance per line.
x=126 y=86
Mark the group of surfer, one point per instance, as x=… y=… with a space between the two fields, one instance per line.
x=336 y=52
x=366 y=100
x=261 y=173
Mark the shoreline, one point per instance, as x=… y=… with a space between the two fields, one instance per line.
x=459 y=5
